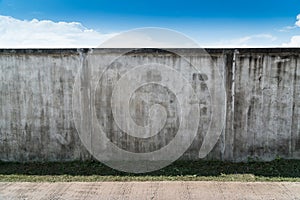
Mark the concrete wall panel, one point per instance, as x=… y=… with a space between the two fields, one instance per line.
x=36 y=94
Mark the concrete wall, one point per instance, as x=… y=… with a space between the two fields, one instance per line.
x=262 y=103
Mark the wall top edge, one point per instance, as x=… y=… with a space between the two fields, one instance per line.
x=150 y=50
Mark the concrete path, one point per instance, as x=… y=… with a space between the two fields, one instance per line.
x=150 y=190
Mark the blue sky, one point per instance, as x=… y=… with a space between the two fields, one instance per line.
x=210 y=23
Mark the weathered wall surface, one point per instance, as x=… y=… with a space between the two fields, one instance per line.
x=262 y=102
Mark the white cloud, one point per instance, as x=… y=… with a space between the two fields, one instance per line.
x=289 y=28
x=15 y=33
x=294 y=42
x=298 y=21
x=150 y=37
x=248 y=39
x=259 y=40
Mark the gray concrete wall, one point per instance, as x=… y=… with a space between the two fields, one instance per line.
x=262 y=103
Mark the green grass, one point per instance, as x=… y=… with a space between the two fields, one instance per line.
x=278 y=170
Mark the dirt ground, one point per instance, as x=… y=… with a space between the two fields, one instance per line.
x=150 y=190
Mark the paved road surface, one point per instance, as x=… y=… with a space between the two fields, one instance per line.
x=150 y=190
